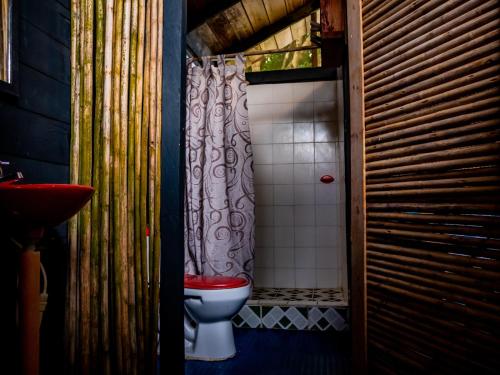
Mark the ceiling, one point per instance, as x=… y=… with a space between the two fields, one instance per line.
x=226 y=26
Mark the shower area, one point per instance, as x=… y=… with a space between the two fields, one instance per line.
x=300 y=277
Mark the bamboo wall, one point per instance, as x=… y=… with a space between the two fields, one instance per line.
x=432 y=154
x=112 y=299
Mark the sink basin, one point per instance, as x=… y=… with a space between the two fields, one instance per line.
x=42 y=205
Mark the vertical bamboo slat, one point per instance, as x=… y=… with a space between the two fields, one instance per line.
x=95 y=347
x=72 y=287
x=131 y=176
x=105 y=190
x=128 y=346
x=86 y=179
x=144 y=183
x=116 y=263
x=140 y=231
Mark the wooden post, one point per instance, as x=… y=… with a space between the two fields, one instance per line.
x=332 y=18
x=332 y=32
x=358 y=200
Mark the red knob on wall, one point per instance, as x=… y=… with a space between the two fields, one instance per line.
x=327 y=179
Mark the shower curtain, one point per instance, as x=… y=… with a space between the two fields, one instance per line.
x=219 y=218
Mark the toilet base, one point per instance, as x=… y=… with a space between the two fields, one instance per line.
x=212 y=342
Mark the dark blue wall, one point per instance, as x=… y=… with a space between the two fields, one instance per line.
x=35 y=134
x=34 y=128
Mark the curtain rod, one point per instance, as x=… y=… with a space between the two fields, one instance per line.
x=266 y=52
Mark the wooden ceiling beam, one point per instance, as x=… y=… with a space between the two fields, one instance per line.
x=264 y=33
x=196 y=19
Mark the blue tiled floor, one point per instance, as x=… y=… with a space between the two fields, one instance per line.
x=281 y=352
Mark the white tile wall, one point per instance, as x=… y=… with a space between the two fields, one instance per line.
x=282 y=153
x=282 y=174
x=297 y=136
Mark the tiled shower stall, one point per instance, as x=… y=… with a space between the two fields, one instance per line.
x=297 y=134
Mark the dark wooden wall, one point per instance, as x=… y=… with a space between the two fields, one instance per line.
x=35 y=134
x=34 y=128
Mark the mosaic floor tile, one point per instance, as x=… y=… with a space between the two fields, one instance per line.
x=298 y=297
x=284 y=317
x=295 y=308
x=326 y=318
x=330 y=297
x=298 y=318
x=271 y=316
x=248 y=317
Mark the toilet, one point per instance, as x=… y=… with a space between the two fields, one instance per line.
x=210 y=303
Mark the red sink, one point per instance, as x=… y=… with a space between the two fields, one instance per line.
x=42 y=205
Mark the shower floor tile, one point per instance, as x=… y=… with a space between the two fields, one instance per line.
x=322 y=297
x=295 y=309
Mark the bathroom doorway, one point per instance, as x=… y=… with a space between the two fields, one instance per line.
x=297 y=130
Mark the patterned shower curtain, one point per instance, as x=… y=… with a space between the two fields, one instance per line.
x=219 y=218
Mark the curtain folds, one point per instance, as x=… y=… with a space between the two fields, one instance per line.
x=219 y=216
x=111 y=305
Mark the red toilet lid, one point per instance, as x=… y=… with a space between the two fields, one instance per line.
x=213 y=282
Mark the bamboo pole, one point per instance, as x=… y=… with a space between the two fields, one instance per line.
x=477 y=286
x=139 y=171
x=461 y=173
x=426 y=42
x=446 y=238
x=405 y=292
x=438 y=94
x=152 y=127
x=432 y=132
x=131 y=177
x=444 y=154
x=86 y=139
x=95 y=347
x=438 y=321
x=435 y=228
x=424 y=183
x=473 y=252
x=411 y=361
x=434 y=192
x=412 y=337
x=449 y=140
x=468 y=41
x=457 y=207
x=394 y=105
x=475 y=267
x=436 y=16
x=399 y=15
x=437 y=75
x=482 y=309
x=72 y=289
x=157 y=182
x=144 y=184
x=484 y=220
x=452 y=356
x=105 y=187
x=436 y=33
x=462 y=286
x=477 y=111
x=152 y=175
x=128 y=347
x=376 y=9
x=458 y=63
x=488 y=97
x=117 y=269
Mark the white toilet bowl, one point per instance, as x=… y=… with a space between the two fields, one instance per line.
x=210 y=302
